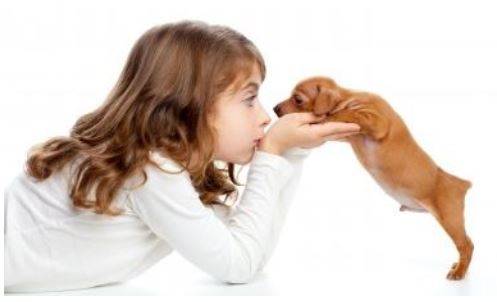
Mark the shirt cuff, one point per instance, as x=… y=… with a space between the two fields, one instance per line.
x=297 y=154
x=304 y=152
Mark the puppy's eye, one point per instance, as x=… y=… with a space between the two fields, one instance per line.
x=298 y=99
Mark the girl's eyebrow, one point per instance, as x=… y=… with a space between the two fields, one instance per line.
x=253 y=85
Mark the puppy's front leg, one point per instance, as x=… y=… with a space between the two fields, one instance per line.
x=371 y=123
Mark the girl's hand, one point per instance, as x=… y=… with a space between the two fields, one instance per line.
x=303 y=130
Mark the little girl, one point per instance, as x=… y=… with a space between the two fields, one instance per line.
x=141 y=175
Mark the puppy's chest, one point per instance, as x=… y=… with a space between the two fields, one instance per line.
x=368 y=153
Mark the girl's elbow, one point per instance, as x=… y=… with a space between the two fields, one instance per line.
x=241 y=276
x=245 y=279
x=244 y=265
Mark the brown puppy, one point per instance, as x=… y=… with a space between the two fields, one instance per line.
x=389 y=153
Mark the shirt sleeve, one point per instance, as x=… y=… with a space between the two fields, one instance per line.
x=233 y=251
x=295 y=156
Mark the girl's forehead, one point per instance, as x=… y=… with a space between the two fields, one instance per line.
x=246 y=80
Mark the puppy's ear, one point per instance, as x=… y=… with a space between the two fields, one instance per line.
x=326 y=100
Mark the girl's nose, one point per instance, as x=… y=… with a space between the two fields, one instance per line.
x=266 y=119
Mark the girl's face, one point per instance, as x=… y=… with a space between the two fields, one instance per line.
x=240 y=121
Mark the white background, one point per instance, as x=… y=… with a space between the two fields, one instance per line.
x=434 y=61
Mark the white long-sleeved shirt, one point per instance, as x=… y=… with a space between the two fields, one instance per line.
x=52 y=246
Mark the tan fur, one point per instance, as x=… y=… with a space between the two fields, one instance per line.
x=390 y=154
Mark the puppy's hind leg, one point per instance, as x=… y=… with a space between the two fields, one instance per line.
x=448 y=209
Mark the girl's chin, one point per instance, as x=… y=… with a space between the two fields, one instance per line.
x=248 y=158
x=242 y=160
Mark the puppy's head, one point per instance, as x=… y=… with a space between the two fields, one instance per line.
x=319 y=95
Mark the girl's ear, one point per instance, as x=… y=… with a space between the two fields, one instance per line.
x=325 y=101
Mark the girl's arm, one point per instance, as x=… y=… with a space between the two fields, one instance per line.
x=233 y=252
x=296 y=157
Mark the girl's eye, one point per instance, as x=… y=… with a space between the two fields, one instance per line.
x=250 y=100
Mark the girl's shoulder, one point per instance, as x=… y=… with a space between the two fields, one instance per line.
x=165 y=162
x=162 y=170
x=165 y=186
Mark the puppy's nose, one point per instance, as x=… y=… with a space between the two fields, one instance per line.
x=277 y=110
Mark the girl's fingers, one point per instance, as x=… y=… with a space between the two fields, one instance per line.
x=339 y=136
x=333 y=128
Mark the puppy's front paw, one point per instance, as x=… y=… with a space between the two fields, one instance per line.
x=455 y=273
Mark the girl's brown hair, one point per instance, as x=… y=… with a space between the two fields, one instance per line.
x=161 y=102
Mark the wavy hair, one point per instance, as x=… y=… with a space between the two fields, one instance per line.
x=162 y=102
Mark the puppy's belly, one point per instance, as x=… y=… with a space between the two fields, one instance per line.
x=370 y=162
x=408 y=203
